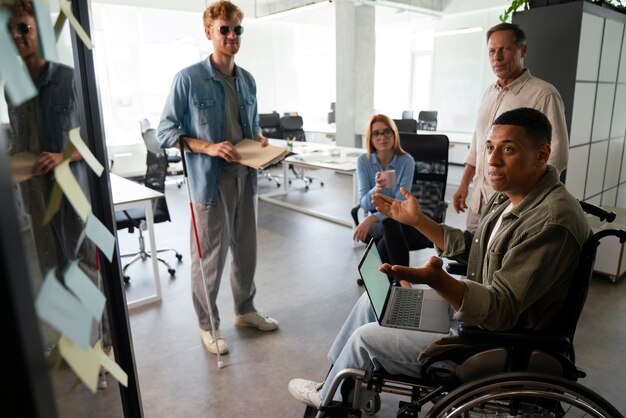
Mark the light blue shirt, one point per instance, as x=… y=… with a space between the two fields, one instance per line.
x=195 y=108
x=366 y=169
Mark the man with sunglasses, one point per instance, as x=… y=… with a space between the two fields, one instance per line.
x=212 y=106
x=41 y=126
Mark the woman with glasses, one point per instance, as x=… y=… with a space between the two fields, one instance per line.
x=374 y=173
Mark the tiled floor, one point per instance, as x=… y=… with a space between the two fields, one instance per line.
x=306 y=280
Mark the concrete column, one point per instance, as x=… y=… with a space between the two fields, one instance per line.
x=356 y=54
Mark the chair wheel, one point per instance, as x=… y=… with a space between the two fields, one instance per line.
x=359 y=281
x=306 y=188
x=373 y=405
x=179 y=257
x=172 y=272
x=277 y=184
x=126 y=279
x=322 y=183
x=289 y=181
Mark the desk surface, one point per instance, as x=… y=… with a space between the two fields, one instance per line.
x=127 y=191
x=316 y=155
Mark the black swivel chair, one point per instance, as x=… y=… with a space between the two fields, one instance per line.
x=406 y=125
x=430 y=178
x=427 y=120
x=270 y=128
x=131 y=219
x=292 y=127
x=144 y=124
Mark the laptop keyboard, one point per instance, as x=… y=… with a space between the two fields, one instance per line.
x=407 y=308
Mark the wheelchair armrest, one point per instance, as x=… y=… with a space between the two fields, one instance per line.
x=544 y=340
x=457 y=268
x=355 y=214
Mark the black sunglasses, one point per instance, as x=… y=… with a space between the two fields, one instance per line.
x=237 y=29
x=21 y=28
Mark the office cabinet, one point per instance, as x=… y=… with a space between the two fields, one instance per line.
x=580 y=48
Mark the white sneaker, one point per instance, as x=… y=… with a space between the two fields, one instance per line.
x=306 y=391
x=209 y=343
x=256 y=320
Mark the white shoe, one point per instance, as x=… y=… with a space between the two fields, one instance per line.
x=209 y=343
x=256 y=320
x=306 y=391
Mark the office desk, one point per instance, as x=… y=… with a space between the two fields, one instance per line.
x=126 y=195
x=316 y=156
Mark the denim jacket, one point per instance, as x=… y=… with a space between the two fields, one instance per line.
x=57 y=113
x=195 y=108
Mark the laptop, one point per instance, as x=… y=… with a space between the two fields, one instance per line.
x=418 y=308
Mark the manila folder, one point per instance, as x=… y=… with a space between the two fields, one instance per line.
x=255 y=156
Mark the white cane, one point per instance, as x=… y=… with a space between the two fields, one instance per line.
x=220 y=364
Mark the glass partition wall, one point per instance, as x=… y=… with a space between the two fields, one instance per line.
x=62 y=298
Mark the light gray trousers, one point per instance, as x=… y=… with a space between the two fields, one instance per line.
x=229 y=223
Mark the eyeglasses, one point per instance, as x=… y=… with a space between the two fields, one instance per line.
x=385 y=132
x=21 y=28
x=237 y=29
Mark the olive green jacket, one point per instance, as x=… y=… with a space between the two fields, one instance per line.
x=522 y=280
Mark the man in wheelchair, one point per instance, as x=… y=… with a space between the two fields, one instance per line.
x=520 y=261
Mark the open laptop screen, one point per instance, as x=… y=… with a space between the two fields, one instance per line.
x=376 y=282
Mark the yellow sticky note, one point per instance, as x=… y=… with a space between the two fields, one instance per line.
x=58 y=25
x=85 y=363
x=85 y=152
x=66 y=180
x=54 y=204
x=67 y=11
x=113 y=368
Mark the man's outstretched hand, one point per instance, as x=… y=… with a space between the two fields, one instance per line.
x=404 y=211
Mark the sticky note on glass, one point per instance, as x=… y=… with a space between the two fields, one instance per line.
x=67 y=182
x=100 y=235
x=83 y=288
x=84 y=362
x=45 y=32
x=85 y=152
x=63 y=311
x=17 y=82
x=67 y=11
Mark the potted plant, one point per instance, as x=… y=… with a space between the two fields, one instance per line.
x=518 y=5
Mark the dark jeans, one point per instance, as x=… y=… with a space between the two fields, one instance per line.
x=394 y=241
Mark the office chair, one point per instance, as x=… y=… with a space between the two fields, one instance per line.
x=291 y=127
x=331 y=114
x=496 y=373
x=427 y=120
x=407 y=114
x=144 y=124
x=156 y=168
x=270 y=128
x=406 y=125
x=430 y=178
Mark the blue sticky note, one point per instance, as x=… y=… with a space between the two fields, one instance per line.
x=45 y=32
x=100 y=235
x=18 y=84
x=81 y=285
x=63 y=311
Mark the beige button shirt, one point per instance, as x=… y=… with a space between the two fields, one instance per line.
x=525 y=91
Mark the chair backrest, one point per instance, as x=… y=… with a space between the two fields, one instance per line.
x=407 y=114
x=156 y=172
x=144 y=124
x=270 y=124
x=430 y=153
x=291 y=126
x=406 y=125
x=572 y=307
x=427 y=120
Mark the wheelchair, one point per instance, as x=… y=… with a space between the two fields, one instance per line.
x=517 y=373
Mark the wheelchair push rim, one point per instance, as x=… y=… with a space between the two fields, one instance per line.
x=523 y=395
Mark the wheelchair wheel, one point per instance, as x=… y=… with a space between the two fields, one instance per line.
x=523 y=395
